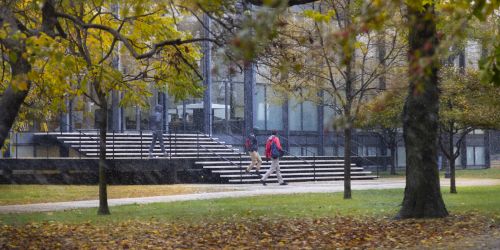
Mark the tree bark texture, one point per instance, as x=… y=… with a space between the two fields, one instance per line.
x=13 y=98
x=347 y=163
x=103 y=165
x=451 y=162
x=422 y=196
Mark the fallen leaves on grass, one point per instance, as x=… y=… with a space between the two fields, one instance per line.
x=332 y=232
x=29 y=194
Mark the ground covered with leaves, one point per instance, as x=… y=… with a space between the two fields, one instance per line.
x=260 y=232
x=28 y=194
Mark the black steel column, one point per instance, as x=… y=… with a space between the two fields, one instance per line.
x=321 y=126
x=463 y=153
x=115 y=111
x=123 y=122
x=165 y=110
x=286 y=126
x=137 y=118
x=487 y=158
x=226 y=105
x=207 y=78
x=184 y=114
x=64 y=122
x=249 y=93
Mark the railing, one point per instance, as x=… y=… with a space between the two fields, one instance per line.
x=240 y=156
x=13 y=145
x=287 y=152
x=300 y=158
x=173 y=139
x=364 y=158
x=207 y=150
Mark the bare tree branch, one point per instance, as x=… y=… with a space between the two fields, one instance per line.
x=126 y=42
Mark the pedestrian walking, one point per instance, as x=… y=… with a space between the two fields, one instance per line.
x=156 y=126
x=252 y=147
x=273 y=151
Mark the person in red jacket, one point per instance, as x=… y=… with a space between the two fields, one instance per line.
x=273 y=151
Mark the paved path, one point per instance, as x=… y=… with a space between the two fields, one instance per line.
x=244 y=190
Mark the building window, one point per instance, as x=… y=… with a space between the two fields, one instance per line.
x=401 y=157
x=304 y=151
x=294 y=115
x=269 y=111
x=367 y=151
x=295 y=150
x=371 y=151
x=274 y=110
x=309 y=116
x=477 y=132
x=260 y=100
x=475 y=156
x=328 y=112
x=340 y=151
x=302 y=116
x=329 y=151
x=310 y=151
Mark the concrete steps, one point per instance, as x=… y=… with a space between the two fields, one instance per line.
x=136 y=145
x=319 y=168
x=495 y=164
x=223 y=163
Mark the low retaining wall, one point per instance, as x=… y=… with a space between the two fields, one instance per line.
x=85 y=171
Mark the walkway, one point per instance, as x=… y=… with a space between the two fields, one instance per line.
x=241 y=191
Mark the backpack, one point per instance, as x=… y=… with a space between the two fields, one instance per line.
x=275 y=152
x=248 y=144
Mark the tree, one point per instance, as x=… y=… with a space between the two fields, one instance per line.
x=21 y=23
x=465 y=105
x=90 y=31
x=420 y=117
x=383 y=115
x=94 y=41
x=321 y=51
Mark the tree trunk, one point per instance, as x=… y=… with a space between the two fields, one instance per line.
x=13 y=98
x=451 y=162
x=103 y=165
x=422 y=196
x=453 y=186
x=393 y=160
x=349 y=60
x=347 y=162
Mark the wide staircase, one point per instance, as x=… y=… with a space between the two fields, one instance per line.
x=293 y=168
x=495 y=161
x=136 y=145
x=210 y=155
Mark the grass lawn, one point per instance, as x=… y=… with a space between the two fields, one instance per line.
x=26 y=194
x=492 y=173
x=374 y=203
x=300 y=221
x=489 y=173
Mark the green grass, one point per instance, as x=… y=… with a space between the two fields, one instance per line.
x=492 y=173
x=488 y=173
x=483 y=200
x=27 y=194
